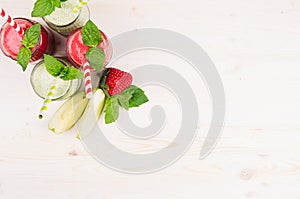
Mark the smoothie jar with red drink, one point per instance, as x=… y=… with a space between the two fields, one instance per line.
x=64 y=21
x=76 y=49
x=10 y=40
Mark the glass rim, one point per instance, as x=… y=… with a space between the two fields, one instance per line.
x=62 y=26
x=32 y=22
x=105 y=38
x=64 y=61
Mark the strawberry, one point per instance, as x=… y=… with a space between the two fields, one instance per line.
x=116 y=81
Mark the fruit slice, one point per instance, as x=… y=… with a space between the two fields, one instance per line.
x=68 y=114
x=91 y=114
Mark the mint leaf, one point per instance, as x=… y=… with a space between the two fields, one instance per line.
x=138 y=98
x=125 y=96
x=31 y=36
x=90 y=34
x=58 y=69
x=56 y=3
x=42 y=8
x=53 y=66
x=71 y=74
x=123 y=99
x=131 y=89
x=96 y=58
x=111 y=110
x=133 y=96
x=23 y=57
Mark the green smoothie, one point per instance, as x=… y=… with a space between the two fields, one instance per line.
x=64 y=21
x=42 y=81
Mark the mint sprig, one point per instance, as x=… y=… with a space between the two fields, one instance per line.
x=58 y=69
x=24 y=57
x=132 y=97
x=90 y=34
x=56 y=3
x=96 y=58
x=31 y=36
x=111 y=110
x=43 y=8
x=138 y=98
x=71 y=73
x=30 y=40
x=91 y=37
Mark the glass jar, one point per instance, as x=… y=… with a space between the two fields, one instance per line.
x=76 y=49
x=41 y=82
x=10 y=40
x=64 y=21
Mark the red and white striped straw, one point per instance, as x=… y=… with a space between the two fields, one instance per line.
x=88 y=80
x=11 y=22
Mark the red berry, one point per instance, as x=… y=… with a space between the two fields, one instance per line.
x=117 y=81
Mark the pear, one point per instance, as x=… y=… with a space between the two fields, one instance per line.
x=68 y=113
x=91 y=114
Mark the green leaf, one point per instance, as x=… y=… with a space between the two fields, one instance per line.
x=42 y=8
x=56 y=3
x=58 y=69
x=125 y=96
x=53 y=66
x=96 y=58
x=63 y=0
x=123 y=99
x=111 y=110
x=131 y=89
x=90 y=34
x=102 y=83
x=23 y=57
x=71 y=74
x=31 y=36
x=138 y=98
x=133 y=96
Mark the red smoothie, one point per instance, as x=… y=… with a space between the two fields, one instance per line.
x=10 y=40
x=76 y=50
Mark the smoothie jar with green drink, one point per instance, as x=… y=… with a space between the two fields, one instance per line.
x=42 y=81
x=64 y=21
x=10 y=40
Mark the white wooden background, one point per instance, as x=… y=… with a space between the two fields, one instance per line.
x=255 y=46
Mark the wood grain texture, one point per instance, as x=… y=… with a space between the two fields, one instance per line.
x=255 y=46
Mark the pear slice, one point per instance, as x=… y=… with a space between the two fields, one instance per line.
x=68 y=113
x=91 y=114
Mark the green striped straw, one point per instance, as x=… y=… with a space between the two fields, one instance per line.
x=47 y=101
x=79 y=5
